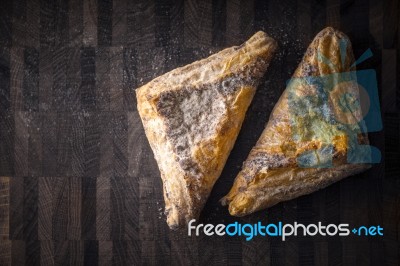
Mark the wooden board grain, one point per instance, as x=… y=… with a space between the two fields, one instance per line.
x=78 y=181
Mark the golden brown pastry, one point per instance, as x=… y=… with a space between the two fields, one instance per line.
x=192 y=116
x=313 y=135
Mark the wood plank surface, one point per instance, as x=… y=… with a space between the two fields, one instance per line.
x=78 y=181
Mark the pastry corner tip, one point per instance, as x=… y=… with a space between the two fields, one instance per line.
x=232 y=209
x=236 y=212
x=138 y=91
x=262 y=35
x=329 y=30
x=224 y=201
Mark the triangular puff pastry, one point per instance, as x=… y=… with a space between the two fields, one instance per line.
x=315 y=134
x=192 y=116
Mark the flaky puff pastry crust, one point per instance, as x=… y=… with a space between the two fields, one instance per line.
x=271 y=173
x=192 y=116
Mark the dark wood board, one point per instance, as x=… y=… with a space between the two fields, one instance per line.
x=78 y=181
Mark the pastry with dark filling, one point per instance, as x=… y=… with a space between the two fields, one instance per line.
x=192 y=116
x=315 y=135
